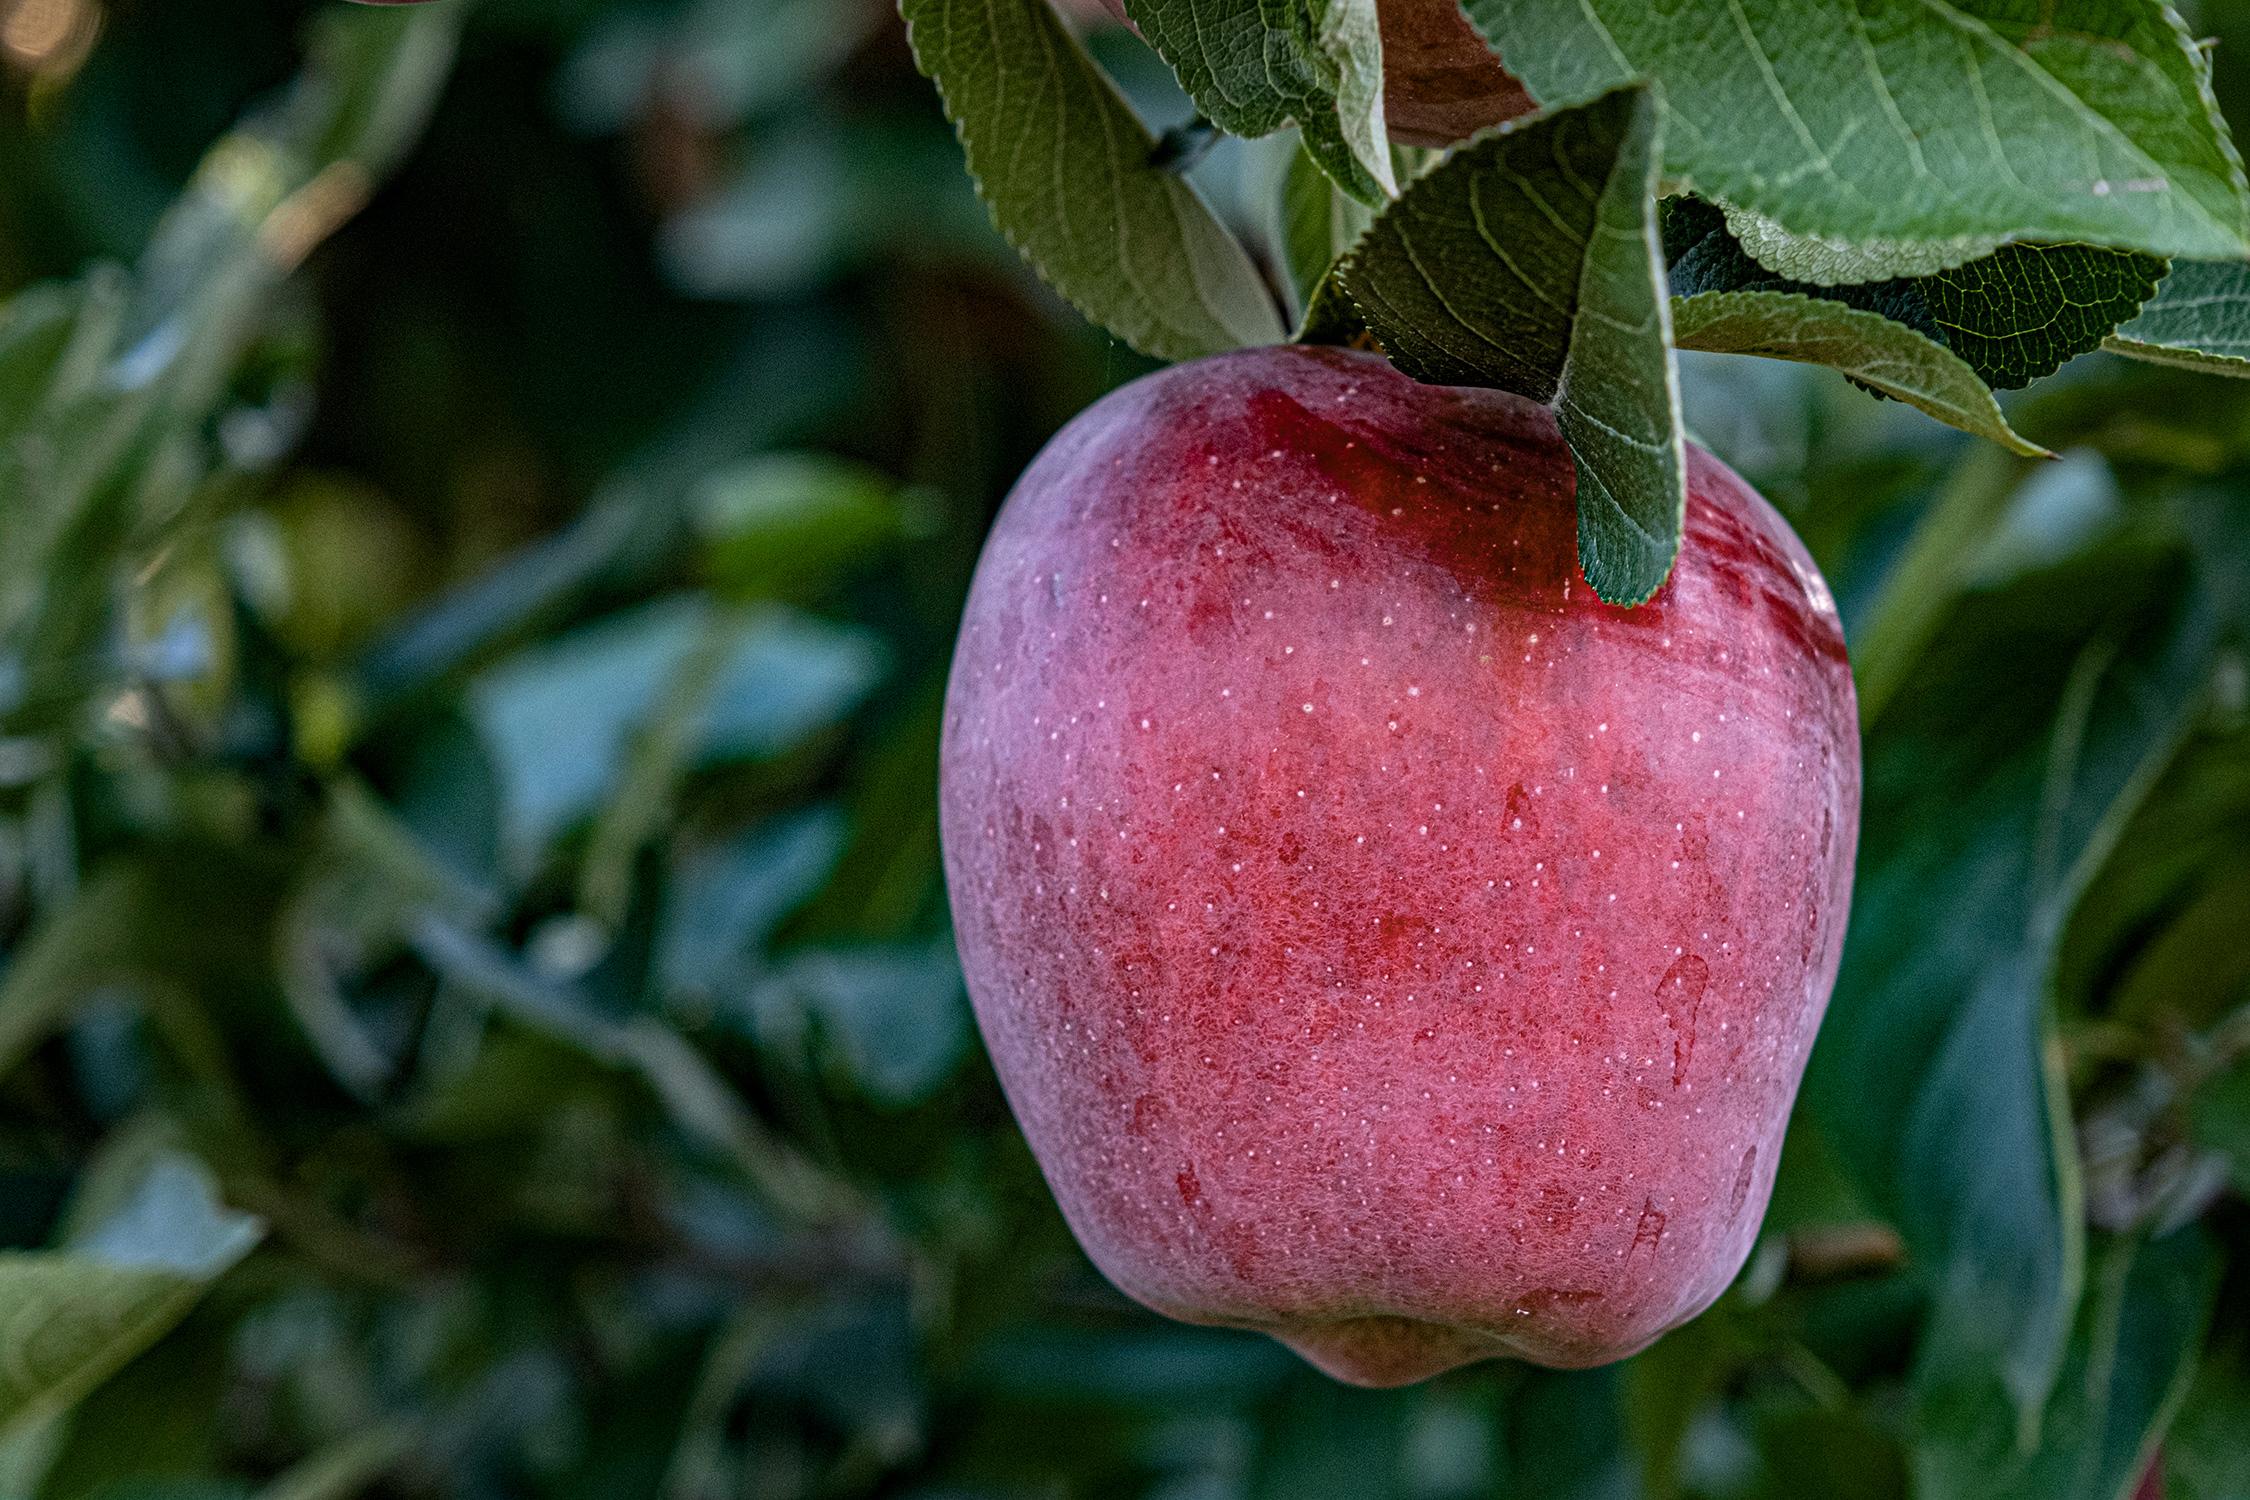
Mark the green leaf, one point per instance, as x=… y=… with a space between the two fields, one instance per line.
x=1330 y=1439
x=69 y=1318
x=784 y=524
x=699 y=1101
x=1252 y=66
x=2154 y=941
x=2219 y=1117
x=1528 y=261
x=1868 y=347
x=2008 y=317
x=1980 y=786
x=344 y=1468
x=1064 y=166
x=2200 y=318
x=1825 y=262
x=172 y=932
x=39 y=328
x=561 y=720
x=1925 y=134
x=723 y=904
x=115 y=439
x=1319 y=223
x=810 y=202
x=891 y=1018
x=2205 y=1457
x=1563 y=1436
x=2129 y=1363
x=1929 y=577
x=744 y=59
x=181 y=930
x=2022 y=311
x=1668 y=1387
x=104 y=930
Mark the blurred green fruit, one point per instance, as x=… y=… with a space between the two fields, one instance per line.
x=328 y=562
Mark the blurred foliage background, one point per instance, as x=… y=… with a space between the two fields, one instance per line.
x=485 y=495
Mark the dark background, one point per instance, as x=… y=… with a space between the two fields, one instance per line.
x=493 y=834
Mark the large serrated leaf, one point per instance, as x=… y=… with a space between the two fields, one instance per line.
x=1928 y=130
x=2200 y=319
x=2010 y=316
x=1252 y=66
x=2021 y=312
x=1529 y=261
x=1064 y=165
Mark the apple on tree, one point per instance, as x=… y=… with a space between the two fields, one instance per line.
x=1386 y=944
x=1399 y=810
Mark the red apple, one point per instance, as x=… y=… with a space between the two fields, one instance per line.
x=1441 y=83
x=1385 y=944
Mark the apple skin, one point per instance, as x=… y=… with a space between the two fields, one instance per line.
x=1441 y=83
x=1383 y=943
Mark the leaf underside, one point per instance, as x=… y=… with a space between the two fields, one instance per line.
x=1253 y=66
x=2199 y=318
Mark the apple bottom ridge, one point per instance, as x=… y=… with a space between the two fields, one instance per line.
x=1385 y=1350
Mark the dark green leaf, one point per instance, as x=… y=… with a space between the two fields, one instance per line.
x=2008 y=317
x=743 y=58
x=893 y=1019
x=2127 y=1368
x=1905 y=137
x=2205 y=1457
x=1064 y=166
x=2154 y=940
x=724 y=904
x=784 y=523
x=1332 y=1438
x=2022 y=311
x=38 y=330
x=1563 y=1436
x=2220 y=1115
x=1528 y=261
x=343 y=1469
x=704 y=1107
x=2042 y=712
